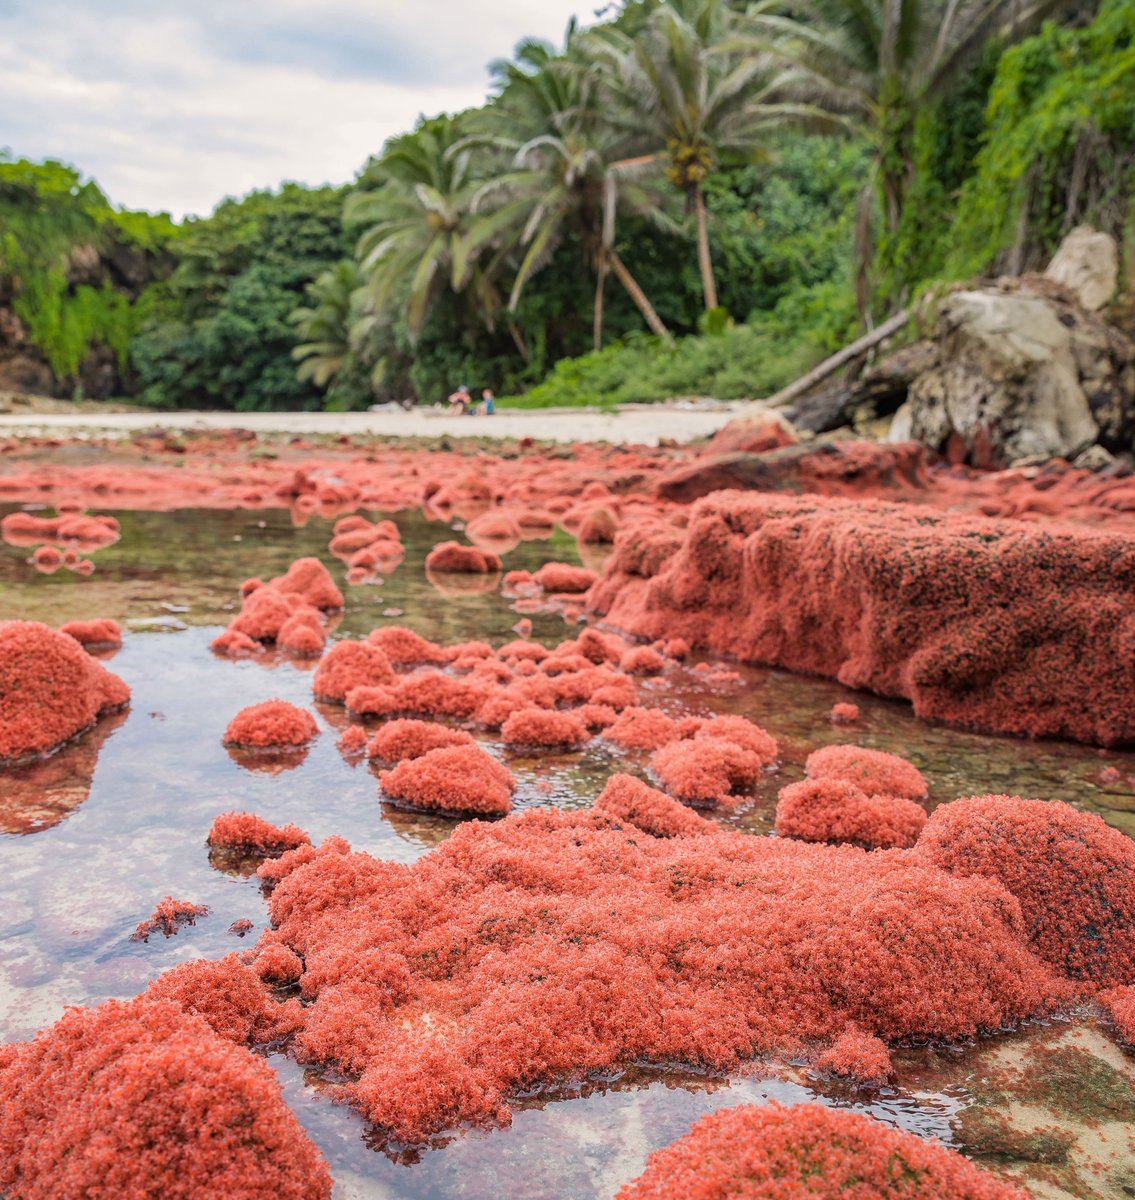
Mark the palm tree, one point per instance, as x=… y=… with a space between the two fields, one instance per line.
x=324 y=325
x=570 y=166
x=878 y=63
x=677 y=84
x=337 y=330
x=415 y=201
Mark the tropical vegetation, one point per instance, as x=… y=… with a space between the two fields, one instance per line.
x=691 y=197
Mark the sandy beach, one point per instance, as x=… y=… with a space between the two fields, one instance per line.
x=647 y=423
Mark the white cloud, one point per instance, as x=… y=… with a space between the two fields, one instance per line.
x=174 y=107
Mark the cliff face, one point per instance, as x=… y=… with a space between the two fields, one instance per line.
x=26 y=367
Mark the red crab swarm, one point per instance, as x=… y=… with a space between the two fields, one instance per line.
x=100 y=632
x=230 y=998
x=269 y=725
x=858 y=1057
x=453 y=779
x=168 y=917
x=246 y=833
x=834 y=810
x=399 y=740
x=287 y=611
x=721 y=762
x=995 y=625
x=136 y=1100
x=628 y=799
x=542 y=727
x=1072 y=874
x=531 y=949
x=1120 y=1006
x=809 y=1153
x=453 y=557
x=872 y=771
x=50 y=690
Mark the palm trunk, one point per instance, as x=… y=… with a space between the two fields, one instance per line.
x=638 y=296
x=518 y=340
x=705 y=263
x=597 y=319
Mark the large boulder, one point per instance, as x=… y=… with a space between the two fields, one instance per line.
x=1087 y=264
x=1022 y=372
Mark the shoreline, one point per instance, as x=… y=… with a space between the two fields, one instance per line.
x=647 y=424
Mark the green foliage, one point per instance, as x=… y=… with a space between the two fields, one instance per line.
x=786 y=222
x=218 y=333
x=1059 y=146
x=945 y=141
x=474 y=244
x=59 y=243
x=745 y=361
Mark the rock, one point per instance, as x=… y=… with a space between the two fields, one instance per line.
x=1002 y=626
x=840 y=468
x=756 y=429
x=1095 y=458
x=877 y=392
x=1007 y=384
x=1087 y=263
x=21 y=372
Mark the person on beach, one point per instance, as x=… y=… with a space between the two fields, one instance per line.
x=488 y=402
x=460 y=400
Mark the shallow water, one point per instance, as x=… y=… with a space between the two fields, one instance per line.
x=93 y=838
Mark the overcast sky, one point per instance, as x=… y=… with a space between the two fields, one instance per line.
x=176 y=105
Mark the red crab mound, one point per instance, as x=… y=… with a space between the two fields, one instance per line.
x=858 y=1057
x=990 y=624
x=100 y=632
x=456 y=779
x=809 y=1152
x=552 y=943
x=405 y=647
x=1120 y=1005
x=348 y=665
x=628 y=799
x=563 y=577
x=271 y=724
x=311 y=581
x=1072 y=874
x=642 y=729
x=136 y=1100
x=833 y=810
x=719 y=763
x=873 y=771
x=168 y=917
x=50 y=690
x=453 y=557
x=399 y=740
x=542 y=727
x=229 y=997
x=246 y=833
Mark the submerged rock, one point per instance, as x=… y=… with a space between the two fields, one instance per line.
x=142 y=1099
x=809 y=1152
x=272 y=724
x=835 y=810
x=990 y=624
x=51 y=690
x=1072 y=874
x=553 y=943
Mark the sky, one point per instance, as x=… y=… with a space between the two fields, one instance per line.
x=173 y=106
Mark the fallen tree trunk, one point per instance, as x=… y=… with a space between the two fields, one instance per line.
x=841 y=358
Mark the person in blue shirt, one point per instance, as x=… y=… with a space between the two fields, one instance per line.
x=488 y=402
